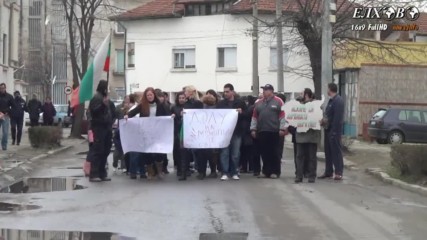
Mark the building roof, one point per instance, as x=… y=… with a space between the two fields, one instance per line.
x=152 y=9
x=175 y=8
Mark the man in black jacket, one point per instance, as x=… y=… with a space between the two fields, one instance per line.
x=6 y=105
x=230 y=164
x=333 y=125
x=17 y=118
x=34 y=108
x=101 y=124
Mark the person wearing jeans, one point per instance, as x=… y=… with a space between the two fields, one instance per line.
x=7 y=104
x=230 y=156
x=232 y=152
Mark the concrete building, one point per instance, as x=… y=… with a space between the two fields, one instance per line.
x=171 y=44
x=43 y=52
x=9 y=43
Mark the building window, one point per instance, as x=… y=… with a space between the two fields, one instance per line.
x=121 y=93
x=120 y=29
x=5 y=49
x=184 y=58
x=206 y=9
x=273 y=57
x=227 y=57
x=131 y=55
x=120 y=61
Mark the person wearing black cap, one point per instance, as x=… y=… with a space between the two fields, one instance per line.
x=17 y=118
x=267 y=126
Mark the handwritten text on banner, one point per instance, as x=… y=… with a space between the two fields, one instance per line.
x=304 y=116
x=147 y=135
x=209 y=128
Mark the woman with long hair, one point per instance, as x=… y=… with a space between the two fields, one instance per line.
x=176 y=110
x=148 y=107
x=193 y=102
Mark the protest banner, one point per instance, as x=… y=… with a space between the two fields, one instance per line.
x=209 y=128
x=304 y=116
x=147 y=134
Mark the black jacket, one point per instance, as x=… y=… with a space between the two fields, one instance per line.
x=19 y=109
x=335 y=115
x=34 y=108
x=100 y=113
x=237 y=103
x=160 y=111
x=193 y=104
x=49 y=112
x=177 y=110
x=7 y=103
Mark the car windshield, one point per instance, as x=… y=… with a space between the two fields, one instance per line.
x=379 y=114
x=61 y=109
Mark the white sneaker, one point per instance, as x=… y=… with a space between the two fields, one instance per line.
x=236 y=177
x=115 y=170
x=224 y=178
x=124 y=170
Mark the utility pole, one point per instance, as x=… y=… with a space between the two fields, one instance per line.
x=327 y=45
x=255 y=74
x=279 y=38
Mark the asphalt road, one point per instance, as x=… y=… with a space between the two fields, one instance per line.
x=358 y=208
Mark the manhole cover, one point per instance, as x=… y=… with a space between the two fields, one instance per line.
x=35 y=234
x=37 y=185
x=8 y=207
x=223 y=236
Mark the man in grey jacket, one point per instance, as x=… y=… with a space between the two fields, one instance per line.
x=307 y=148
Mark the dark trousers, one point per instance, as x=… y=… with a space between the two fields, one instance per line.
x=151 y=158
x=48 y=122
x=295 y=157
x=101 y=148
x=16 y=129
x=34 y=122
x=268 y=144
x=184 y=164
x=205 y=156
x=281 y=147
x=247 y=158
x=136 y=163
x=333 y=154
x=306 y=160
x=127 y=162
x=256 y=157
x=165 y=162
x=176 y=152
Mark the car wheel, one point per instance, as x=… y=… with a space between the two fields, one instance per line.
x=396 y=137
x=382 y=141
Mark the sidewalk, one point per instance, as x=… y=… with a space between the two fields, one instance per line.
x=14 y=156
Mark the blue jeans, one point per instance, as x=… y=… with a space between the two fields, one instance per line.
x=136 y=163
x=5 y=125
x=231 y=167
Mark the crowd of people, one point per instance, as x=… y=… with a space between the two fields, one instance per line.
x=256 y=145
x=12 y=109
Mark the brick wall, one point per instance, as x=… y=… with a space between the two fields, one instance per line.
x=383 y=86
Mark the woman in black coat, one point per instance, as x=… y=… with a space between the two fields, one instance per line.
x=176 y=111
x=150 y=106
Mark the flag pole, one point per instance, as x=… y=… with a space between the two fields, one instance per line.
x=109 y=49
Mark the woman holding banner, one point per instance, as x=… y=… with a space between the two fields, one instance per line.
x=149 y=106
x=193 y=102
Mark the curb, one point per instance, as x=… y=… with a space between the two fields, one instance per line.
x=11 y=175
x=347 y=163
x=383 y=176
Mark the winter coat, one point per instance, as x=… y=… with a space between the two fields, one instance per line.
x=49 y=112
x=34 y=108
x=19 y=109
x=177 y=109
x=235 y=104
x=7 y=103
x=100 y=113
x=161 y=110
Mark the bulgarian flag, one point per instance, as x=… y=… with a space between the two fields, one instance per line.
x=94 y=73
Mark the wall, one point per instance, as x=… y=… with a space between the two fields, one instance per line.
x=154 y=40
x=382 y=86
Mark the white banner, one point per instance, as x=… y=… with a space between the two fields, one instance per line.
x=209 y=128
x=304 y=116
x=147 y=134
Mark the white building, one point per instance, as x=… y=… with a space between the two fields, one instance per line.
x=9 y=44
x=172 y=44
